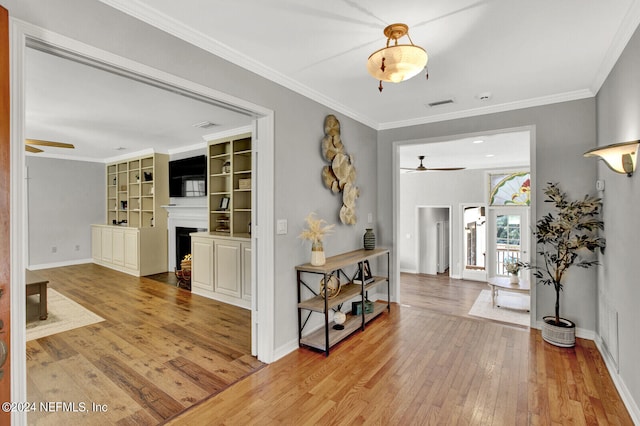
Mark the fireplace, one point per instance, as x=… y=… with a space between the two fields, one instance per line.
x=187 y=219
x=183 y=243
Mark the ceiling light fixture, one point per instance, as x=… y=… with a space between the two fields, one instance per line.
x=397 y=62
x=478 y=141
x=620 y=157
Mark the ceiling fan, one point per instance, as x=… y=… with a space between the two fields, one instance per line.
x=29 y=145
x=422 y=168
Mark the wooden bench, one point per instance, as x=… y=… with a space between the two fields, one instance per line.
x=38 y=285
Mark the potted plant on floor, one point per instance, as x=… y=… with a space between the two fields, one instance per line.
x=569 y=237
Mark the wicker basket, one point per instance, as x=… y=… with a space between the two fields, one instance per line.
x=563 y=336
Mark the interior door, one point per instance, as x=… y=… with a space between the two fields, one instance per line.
x=509 y=238
x=5 y=248
x=474 y=242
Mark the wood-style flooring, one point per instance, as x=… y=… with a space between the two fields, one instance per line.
x=426 y=362
x=159 y=351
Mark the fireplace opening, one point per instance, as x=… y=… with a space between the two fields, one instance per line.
x=183 y=242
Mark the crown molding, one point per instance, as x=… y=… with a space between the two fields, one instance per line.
x=177 y=29
x=508 y=106
x=623 y=35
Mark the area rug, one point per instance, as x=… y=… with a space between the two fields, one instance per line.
x=64 y=315
x=510 y=310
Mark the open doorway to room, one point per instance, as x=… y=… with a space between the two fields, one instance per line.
x=259 y=263
x=474 y=224
x=458 y=172
x=434 y=240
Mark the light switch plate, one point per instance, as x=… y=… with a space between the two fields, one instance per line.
x=281 y=227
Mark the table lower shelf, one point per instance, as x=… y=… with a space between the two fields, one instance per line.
x=316 y=339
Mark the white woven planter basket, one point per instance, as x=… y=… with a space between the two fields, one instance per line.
x=563 y=336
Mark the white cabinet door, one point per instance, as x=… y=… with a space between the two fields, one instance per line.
x=118 y=247
x=227 y=270
x=96 y=243
x=131 y=253
x=107 y=245
x=246 y=271
x=202 y=263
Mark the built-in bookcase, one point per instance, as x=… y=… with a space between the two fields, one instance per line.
x=136 y=188
x=230 y=183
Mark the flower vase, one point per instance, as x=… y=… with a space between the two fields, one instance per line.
x=514 y=279
x=317 y=254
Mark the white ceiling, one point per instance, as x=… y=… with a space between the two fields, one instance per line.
x=524 y=53
x=479 y=152
x=107 y=116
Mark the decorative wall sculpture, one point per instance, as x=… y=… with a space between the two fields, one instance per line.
x=340 y=175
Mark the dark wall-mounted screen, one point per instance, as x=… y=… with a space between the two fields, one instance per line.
x=188 y=177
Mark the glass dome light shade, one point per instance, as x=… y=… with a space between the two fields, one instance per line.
x=401 y=62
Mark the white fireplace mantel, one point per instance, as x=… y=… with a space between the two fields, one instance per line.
x=188 y=216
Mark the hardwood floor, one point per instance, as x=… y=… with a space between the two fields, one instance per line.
x=159 y=350
x=426 y=362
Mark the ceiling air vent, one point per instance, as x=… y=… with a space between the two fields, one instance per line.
x=204 y=125
x=439 y=103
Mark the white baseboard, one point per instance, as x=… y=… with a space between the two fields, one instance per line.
x=627 y=399
x=59 y=264
x=408 y=271
x=285 y=349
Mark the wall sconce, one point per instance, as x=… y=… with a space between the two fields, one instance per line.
x=620 y=157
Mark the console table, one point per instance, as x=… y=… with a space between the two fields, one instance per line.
x=327 y=336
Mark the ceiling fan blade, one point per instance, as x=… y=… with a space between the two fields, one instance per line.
x=49 y=143
x=33 y=149
x=447 y=169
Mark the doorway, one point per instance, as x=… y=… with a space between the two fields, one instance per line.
x=509 y=239
x=263 y=128
x=463 y=188
x=434 y=240
x=474 y=242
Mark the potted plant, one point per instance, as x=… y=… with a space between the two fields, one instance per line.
x=565 y=238
x=513 y=266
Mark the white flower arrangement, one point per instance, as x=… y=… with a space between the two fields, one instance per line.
x=513 y=266
x=317 y=230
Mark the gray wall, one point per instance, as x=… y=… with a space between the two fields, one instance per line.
x=618 y=108
x=563 y=132
x=436 y=189
x=299 y=127
x=65 y=198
